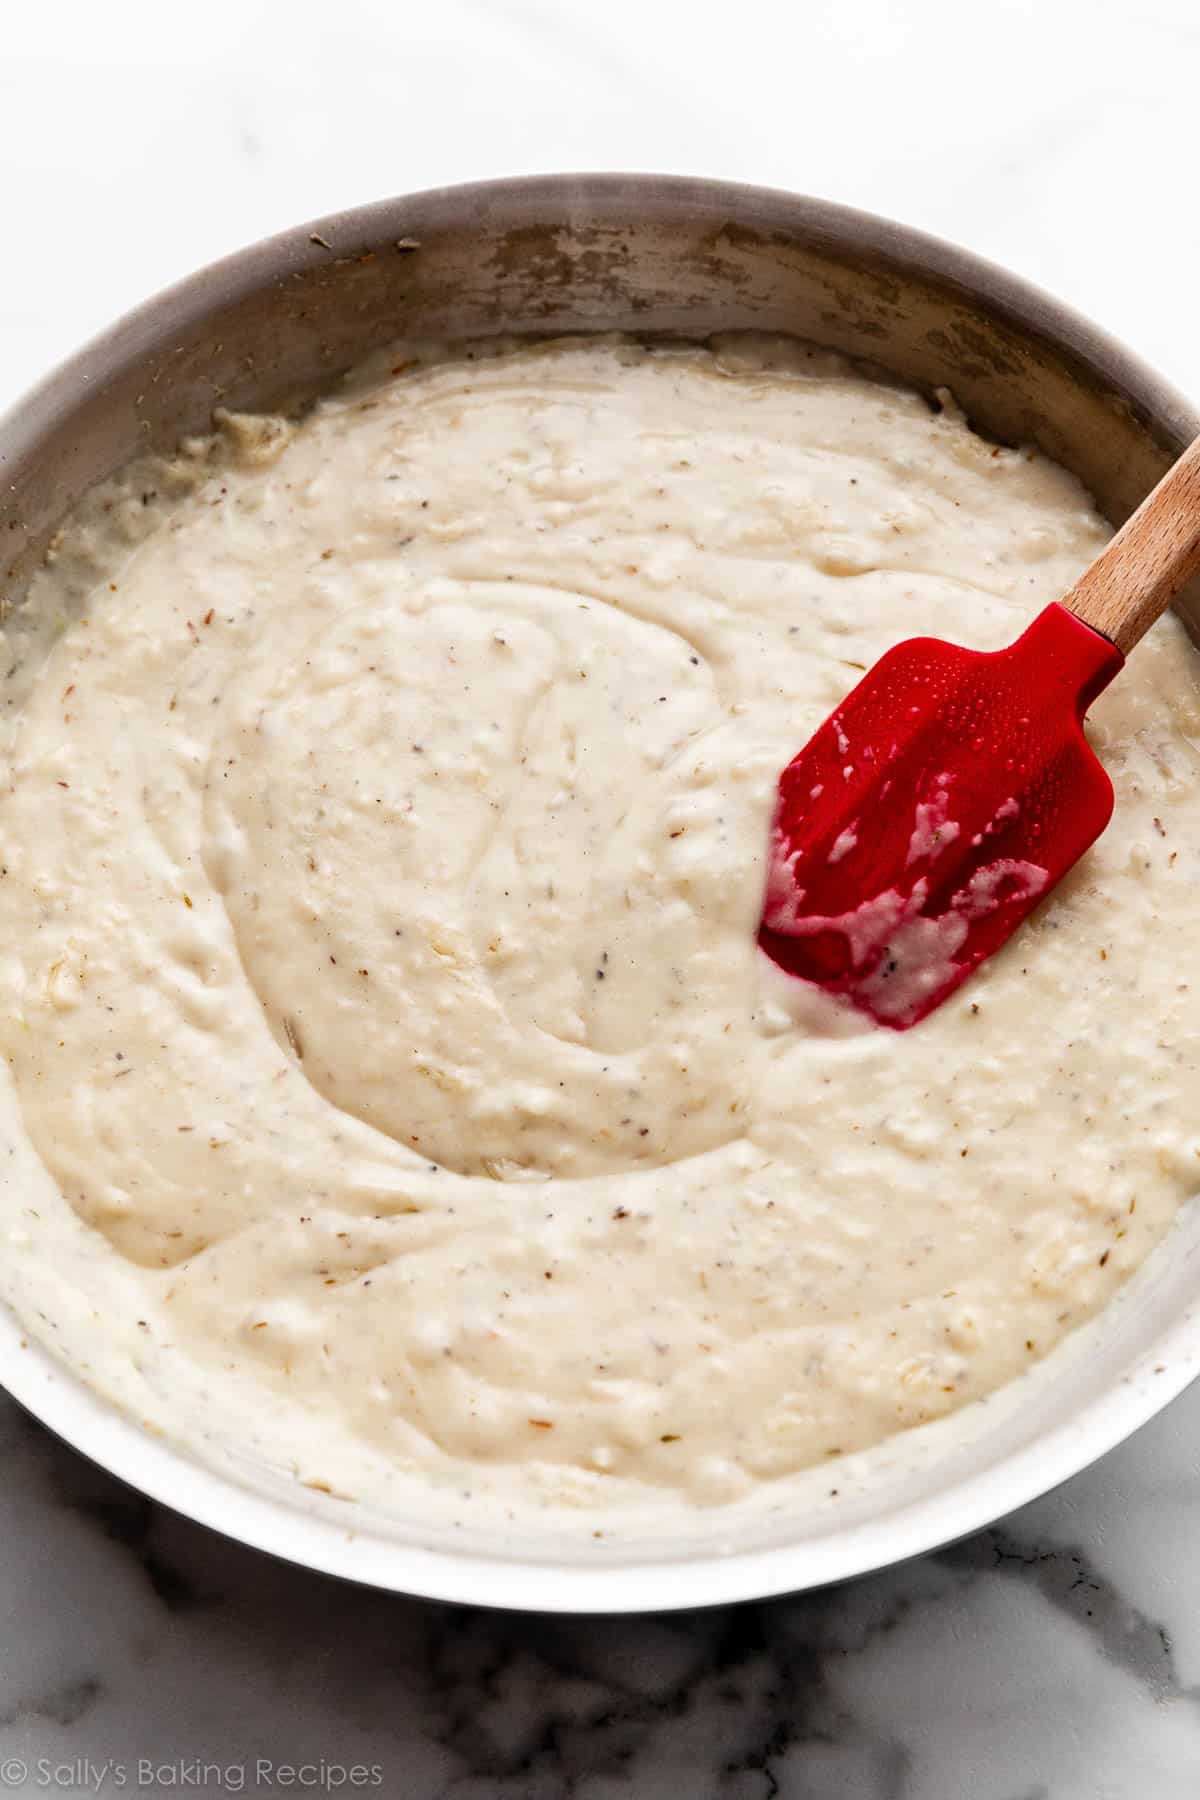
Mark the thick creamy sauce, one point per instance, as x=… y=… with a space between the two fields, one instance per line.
x=396 y=1093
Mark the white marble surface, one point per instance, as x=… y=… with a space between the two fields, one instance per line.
x=1054 y=1658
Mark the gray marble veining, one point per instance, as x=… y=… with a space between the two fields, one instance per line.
x=1021 y=1662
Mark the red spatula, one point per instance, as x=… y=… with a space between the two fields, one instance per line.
x=951 y=789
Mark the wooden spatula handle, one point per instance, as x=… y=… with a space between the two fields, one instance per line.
x=1157 y=550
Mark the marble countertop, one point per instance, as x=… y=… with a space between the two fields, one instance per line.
x=1055 y=1657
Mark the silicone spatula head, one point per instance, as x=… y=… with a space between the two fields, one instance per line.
x=953 y=788
x=932 y=811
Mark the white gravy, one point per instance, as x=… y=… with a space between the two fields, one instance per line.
x=395 y=1092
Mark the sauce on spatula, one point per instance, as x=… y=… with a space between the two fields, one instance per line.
x=951 y=789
